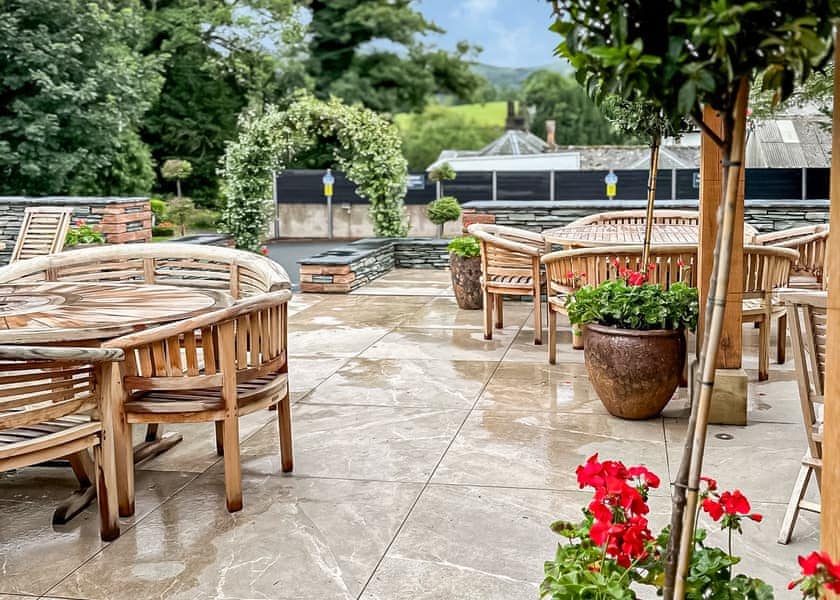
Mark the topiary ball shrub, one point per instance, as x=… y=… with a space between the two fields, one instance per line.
x=443 y=210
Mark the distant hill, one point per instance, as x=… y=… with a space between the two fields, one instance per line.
x=512 y=77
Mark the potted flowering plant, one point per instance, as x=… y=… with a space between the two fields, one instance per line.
x=82 y=235
x=634 y=339
x=612 y=553
x=465 y=267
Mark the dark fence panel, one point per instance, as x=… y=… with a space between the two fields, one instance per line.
x=523 y=185
x=305 y=187
x=469 y=186
x=773 y=184
x=688 y=184
x=817 y=183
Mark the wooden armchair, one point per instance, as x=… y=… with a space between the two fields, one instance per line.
x=811 y=241
x=807 y=318
x=510 y=264
x=42 y=393
x=42 y=232
x=766 y=268
x=568 y=270
x=216 y=367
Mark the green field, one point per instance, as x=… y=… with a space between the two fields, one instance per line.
x=488 y=113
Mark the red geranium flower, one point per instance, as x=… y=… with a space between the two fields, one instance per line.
x=818 y=572
x=637 y=278
x=714 y=508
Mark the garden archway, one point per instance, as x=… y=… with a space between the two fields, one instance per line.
x=370 y=155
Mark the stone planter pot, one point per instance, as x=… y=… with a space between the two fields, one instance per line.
x=466 y=281
x=634 y=373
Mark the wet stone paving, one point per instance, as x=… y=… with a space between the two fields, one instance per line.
x=429 y=463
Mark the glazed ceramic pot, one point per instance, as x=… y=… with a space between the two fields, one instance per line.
x=635 y=373
x=466 y=281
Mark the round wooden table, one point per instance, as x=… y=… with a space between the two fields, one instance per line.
x=70 y=312
x=626 y=234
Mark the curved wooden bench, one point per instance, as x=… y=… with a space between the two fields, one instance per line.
x=660 y=217
x=811 y=241
x=240 y=273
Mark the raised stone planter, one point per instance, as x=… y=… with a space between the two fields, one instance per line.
x=343 y=269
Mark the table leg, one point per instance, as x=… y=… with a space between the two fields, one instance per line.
x=82 y=466
x=156 y=442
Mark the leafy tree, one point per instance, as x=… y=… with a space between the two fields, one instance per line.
x=681 y=57
x=343 y=62
x=220 y=58
x=72 y=90
x=579 y=121
x=176 y=169
x=436 y=129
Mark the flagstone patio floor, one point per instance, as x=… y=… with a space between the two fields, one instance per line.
x=428 y=464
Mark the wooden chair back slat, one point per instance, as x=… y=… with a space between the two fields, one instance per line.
x=811 y=241
x=766 y=268
x=42 y=232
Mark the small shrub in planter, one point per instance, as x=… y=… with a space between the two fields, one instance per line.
x=82 y=234
x=442 y=211
x=465 y=267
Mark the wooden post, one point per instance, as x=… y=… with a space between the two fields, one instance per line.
x=730 y=401
x=830 y=479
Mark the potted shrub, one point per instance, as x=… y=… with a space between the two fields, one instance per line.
x=465 y=266
x=634 y=340
x=82 y=235
x=442 y=211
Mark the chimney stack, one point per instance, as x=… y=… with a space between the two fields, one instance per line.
x=550 y=128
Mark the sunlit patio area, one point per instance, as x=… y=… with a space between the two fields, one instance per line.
x=429 y=463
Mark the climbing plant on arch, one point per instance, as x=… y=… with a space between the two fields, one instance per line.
x=368 y=152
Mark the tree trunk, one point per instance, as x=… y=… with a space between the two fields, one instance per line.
x=687 y=487
x=652 y=173
x=178 y=187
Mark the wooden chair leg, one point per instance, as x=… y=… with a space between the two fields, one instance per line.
x=537 y=319
x=552 y=336
x=85 y=470
x=220 y=442
x=781 y=339
x=796 y=496
x=284 y=420
x=764 y=350
x=233 y=468
x=124 y=459
x=487 y=297
x=499 y=309
x=106 y=488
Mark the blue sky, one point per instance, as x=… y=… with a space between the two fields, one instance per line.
x=513 y=33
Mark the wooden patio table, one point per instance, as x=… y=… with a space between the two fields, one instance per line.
x=626 y=234
x=61 y=313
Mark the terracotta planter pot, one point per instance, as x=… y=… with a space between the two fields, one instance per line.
x=466 y=281
x=634 y=373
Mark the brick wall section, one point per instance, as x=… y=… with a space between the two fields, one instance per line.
x=469 y=216
x=120 y=219
x=344 y=269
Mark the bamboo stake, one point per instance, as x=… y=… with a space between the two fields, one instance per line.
x=652 y=173
x=737 y=135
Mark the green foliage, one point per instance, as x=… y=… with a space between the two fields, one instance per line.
x=158 y=207
x=343 y=63
x=82 y=233
x=204 y=219
x=180 y=211
x=616 y=303
x=443 y=172
x=466 y=246
x=578 y=120
x=368 y=152
x=437 y=129
x=74 y=89
x=176 y=169
x=687 y=54
x=443 y=210
x=490 y=114
x=163 y=231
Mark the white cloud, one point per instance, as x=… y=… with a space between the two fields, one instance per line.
x=481 y=6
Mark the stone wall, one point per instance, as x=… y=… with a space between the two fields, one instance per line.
x=121 y=220
x=343 y=269
x=764 y=215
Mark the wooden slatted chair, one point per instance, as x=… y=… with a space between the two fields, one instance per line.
x=510 y=264
x=811 y=241
x=216 y=367
x=240 y=273
x=568 y=270
x=639 y=217
x=807 y=318
x=766 y=268
x=43 y=393
x=42 y=232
